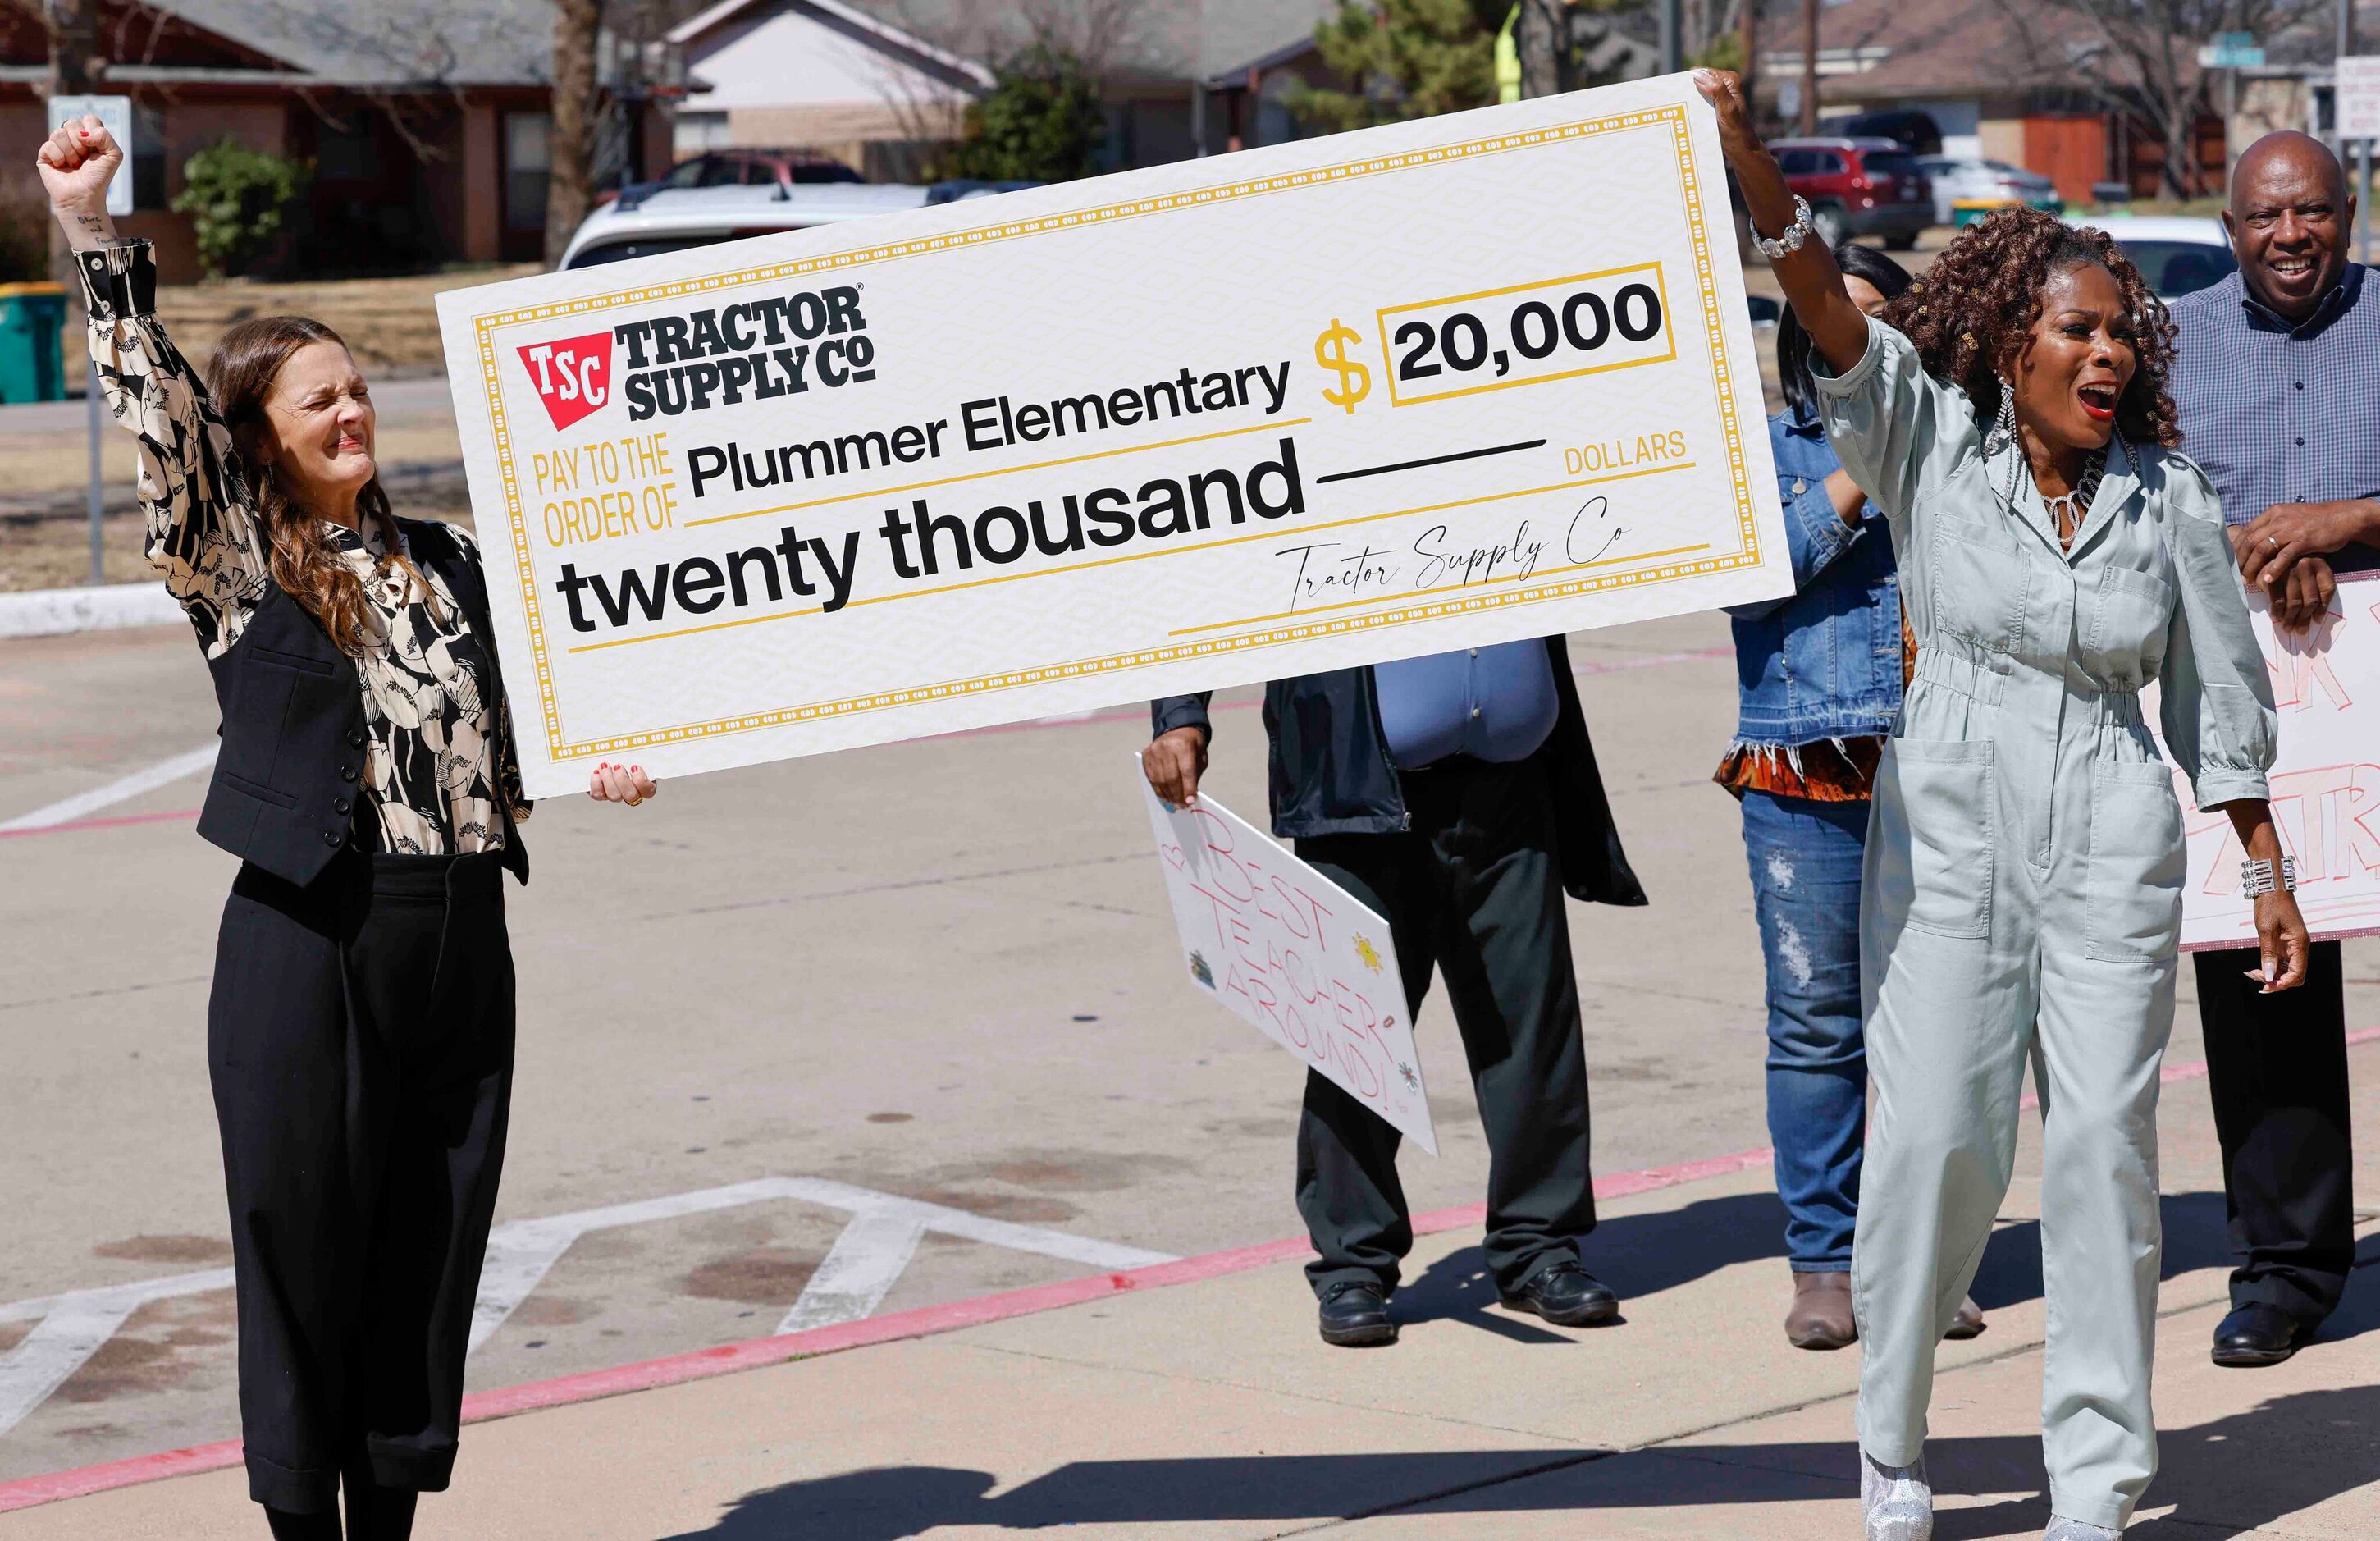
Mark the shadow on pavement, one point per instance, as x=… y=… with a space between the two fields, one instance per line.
x=2196 y=1236
x=1643 y=1255
x=2223 y=1478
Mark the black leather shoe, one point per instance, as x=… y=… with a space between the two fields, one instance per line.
x=1566 y=1295
x=2257 y=1335
x=1355 y=1315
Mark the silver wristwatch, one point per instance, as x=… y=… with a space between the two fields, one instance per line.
x=2256 y=876
x=1791 y=239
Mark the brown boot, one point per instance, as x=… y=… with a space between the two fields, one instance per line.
x=1968 y=1323
x=1821 y=1317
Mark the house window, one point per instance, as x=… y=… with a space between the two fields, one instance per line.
x=697 y=132
x=148 y=155
x=347 y=150
x=528 y=167
x=1275 y=123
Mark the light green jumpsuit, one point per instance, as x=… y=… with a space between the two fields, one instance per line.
x=2023 y=897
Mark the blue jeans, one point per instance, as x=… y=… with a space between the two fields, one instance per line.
x=1805 y=884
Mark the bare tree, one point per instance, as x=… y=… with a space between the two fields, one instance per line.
x=1541 y=36
x=570 y=140
x=2140 y=59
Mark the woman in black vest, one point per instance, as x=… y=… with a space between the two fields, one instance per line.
x=360 y=1036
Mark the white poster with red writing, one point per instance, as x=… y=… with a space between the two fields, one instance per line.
x=2326 y=784
x=1282 y=946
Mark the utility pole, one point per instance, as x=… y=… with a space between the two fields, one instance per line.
x=1809 y=124
x=1673 y=36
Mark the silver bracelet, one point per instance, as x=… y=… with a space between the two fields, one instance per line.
x=1790 y=239
x=2256 y=876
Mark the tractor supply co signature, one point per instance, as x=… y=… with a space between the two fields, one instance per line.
x=1338 y=571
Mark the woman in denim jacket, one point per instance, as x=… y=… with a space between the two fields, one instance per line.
x=1820 y=676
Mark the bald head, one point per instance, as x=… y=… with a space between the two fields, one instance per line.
x=2288 y=217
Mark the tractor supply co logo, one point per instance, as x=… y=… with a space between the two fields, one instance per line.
x=779 y=346
x=573 y=377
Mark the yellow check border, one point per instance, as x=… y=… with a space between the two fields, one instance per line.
x=1732 y=429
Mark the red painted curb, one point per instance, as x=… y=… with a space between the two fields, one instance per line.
x=926 y=1321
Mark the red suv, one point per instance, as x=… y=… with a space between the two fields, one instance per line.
x=1859 y=187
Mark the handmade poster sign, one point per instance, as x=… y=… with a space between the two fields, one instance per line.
x=1286 y=949
x=2325 y=784
x=1435 y=384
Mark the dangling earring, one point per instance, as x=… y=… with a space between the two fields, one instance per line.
x=2004 y=426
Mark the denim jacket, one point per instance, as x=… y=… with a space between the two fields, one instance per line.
x=1825 y=662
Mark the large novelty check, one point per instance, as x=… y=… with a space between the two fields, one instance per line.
x=1443 y=384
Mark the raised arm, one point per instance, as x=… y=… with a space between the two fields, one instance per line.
x=204 y=533
x=1813 y=285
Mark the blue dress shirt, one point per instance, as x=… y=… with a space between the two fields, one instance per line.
x=2275 y=412
x=1494 y=703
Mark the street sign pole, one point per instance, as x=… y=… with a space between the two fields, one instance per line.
x=2355 y=93
x=94 y=427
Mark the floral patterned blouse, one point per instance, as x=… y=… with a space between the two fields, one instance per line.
x=440 y=751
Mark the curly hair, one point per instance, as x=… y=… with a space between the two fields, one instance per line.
x=1972 y=311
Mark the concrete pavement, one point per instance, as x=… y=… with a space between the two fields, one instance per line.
x=941 y=972
x=1209 y=1410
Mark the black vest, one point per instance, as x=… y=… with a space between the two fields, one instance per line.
x=285 y=788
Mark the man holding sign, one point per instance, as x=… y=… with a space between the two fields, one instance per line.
x=1456 y=794
x=2274 y=376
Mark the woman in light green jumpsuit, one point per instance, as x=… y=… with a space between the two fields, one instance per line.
x=2022 y=894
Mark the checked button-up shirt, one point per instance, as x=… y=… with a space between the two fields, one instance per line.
x=2279 y=413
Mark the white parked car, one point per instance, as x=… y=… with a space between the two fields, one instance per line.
x=2178 y=254
x=674 y=219
x=1958 y=176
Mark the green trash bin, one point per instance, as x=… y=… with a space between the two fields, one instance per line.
x=32 y=365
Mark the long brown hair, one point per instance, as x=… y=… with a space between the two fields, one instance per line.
x=247 y=361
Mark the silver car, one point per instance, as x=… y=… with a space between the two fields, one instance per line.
x=1958 y=177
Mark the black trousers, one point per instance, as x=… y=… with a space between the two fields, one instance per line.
x=2276 y=1069
x=1474 y=888
x=359 y=1039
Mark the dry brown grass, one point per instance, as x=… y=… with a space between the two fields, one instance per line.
x=391 y=324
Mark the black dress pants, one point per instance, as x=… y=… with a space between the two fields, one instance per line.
x=359 y=1039
x=2276 y=1070
x=1473 y=887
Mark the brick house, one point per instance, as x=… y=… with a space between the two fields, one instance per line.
x=425 y=120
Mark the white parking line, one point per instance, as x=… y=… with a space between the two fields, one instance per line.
x=864 y=1264
x=83 y=804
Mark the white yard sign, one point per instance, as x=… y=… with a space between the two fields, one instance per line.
x=1286 y=949
x=2325 y=784
x=2359 y=97
x=1436 y=384
x=115 y=112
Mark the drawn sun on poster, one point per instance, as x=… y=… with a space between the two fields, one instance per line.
x=1200 y=972
x=1369 y=953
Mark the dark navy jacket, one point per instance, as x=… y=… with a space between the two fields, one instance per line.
x=1331 y=774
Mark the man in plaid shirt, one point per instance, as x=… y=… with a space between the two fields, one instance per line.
x=2277 y=381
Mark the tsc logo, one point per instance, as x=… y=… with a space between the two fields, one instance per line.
x=573 y=376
